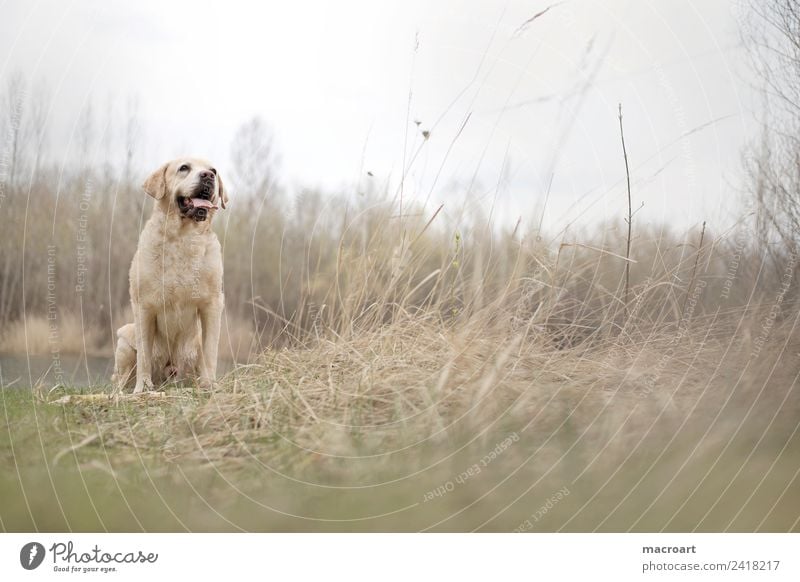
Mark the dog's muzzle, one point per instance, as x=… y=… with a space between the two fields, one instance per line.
x=197 y=206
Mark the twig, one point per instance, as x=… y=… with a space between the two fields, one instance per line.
x=525 y=24
x=694 y=269
x=630 y=216
x=103 y=398
x=427 y=224
x=605 y=252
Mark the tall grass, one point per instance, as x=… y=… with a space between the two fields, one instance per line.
x=342 y=265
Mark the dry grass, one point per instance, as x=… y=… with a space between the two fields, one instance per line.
x=435 y=381
x=676 y=427
x=38 y=335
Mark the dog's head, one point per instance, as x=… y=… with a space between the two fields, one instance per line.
x=192 y=185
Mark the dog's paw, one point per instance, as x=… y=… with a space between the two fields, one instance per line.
x=143 y=385
x=205 y=383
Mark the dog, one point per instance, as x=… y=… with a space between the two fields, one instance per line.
x=175 y=282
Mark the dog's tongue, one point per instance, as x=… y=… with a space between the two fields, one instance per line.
x=203 y=203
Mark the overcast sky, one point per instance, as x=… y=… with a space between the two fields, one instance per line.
x=342 y=84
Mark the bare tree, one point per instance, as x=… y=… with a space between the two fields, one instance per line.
x=85 y=137
x=13 y=106
x=37 y=126
x=771 y=32
x=133 y=137
x=254 y=157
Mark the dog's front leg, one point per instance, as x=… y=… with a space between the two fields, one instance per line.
x=210 y=321
x=145 y=335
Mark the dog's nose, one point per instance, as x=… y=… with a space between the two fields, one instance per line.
x=206 y=175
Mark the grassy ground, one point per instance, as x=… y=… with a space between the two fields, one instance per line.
x=426 y=425
x=418 y=377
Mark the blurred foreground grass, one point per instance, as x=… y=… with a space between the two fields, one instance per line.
x=415 y=427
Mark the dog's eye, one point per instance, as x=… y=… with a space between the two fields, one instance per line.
x=214 y=171
x=184 y=168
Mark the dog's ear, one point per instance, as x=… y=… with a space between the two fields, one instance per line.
x=156 y=184
x=223 y=193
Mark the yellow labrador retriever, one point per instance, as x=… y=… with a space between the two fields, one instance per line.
x=175 y=282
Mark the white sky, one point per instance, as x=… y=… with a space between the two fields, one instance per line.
x=333 y=80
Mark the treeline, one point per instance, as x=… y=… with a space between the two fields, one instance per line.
x=325 y=264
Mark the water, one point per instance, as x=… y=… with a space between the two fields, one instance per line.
x=23 y=371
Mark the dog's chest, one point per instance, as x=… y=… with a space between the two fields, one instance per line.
x=186 y=271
